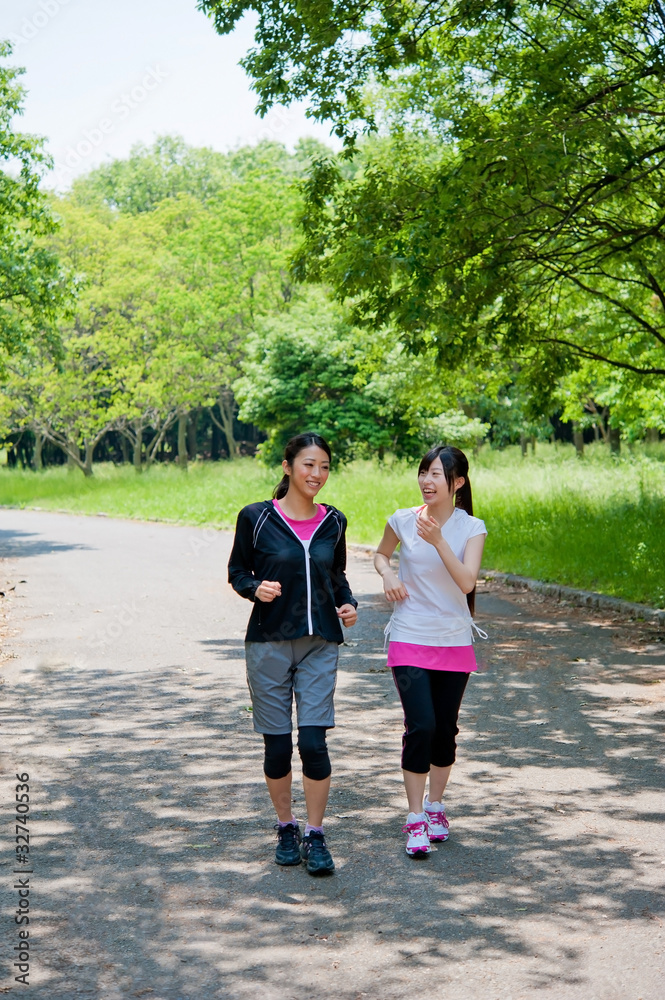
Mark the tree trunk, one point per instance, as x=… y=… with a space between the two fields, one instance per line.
x=602 y=416
x=615 y=440
x=652 y=435
x=192 y=427
x=37 y=462
x=578 y=439
x=73 y=452
x=89 y=452
x=124 y=449
x=226 y=405
x=23 y=453
x=532 y=439
x=138 y=447
x=215 y=443
x=182 y=440
x=523 y=443
x=155 y=449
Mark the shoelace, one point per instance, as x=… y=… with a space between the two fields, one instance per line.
x=438 y=817
x=316 y=842
x=288 y=835
x=316 y=847
x=415 y=828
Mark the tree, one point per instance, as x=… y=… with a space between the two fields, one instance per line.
x=612 y=400
x=326 y=50
x=166 y=299
x=65 y=401
x=228 y=224
x=311 y=369
x=517 y=197
x=232 y=258
x=113 y=371
x=151 y=174
x=32 y=284
x=301 y=374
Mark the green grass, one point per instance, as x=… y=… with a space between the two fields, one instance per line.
x=598 y=523
x=207 y=494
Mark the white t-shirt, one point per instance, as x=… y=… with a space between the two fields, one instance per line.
x=435 y=613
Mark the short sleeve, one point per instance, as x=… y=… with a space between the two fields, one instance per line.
x=477 y=527
x=393 y=521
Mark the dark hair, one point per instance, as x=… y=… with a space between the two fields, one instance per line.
x=455 y=466
x=294 y=446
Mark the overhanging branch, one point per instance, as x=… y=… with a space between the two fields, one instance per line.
x=593 y=356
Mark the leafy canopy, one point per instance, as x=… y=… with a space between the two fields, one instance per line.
x=516 y=194
x=170 y=285
x=32 y=284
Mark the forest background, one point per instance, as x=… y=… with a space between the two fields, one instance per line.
x=482 y=264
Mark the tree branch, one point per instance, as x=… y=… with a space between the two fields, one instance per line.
x=585 y=353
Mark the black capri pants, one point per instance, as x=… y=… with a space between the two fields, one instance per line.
x=431 y=701
x=312 y=748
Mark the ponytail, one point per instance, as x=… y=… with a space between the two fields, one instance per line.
x=464 y=498
x=455 y=466
x=282 y=488
x=295 y=445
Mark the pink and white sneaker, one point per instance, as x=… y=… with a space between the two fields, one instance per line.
x=437 y=821
x=417 y=843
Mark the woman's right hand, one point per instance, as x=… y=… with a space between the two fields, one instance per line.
x=393 y=587
x=268 y=590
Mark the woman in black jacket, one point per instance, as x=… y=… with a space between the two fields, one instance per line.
x=289 y=558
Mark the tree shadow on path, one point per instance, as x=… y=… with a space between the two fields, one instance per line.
x=153 y=847
x=14 y=544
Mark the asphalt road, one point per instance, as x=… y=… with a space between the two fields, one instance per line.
x=151 y=865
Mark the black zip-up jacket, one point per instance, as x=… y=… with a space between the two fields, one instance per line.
x=313 y=577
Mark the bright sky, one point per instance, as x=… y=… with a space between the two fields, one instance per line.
x=102 y=76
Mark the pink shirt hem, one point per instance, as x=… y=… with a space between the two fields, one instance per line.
x=459 y=658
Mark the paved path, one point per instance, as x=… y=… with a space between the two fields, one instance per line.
x=124 y=699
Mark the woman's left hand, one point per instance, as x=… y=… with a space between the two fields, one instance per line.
x=428 y=527
x=348 y=615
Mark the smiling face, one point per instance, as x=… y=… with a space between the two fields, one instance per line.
x=309 y=472
x=434 y=486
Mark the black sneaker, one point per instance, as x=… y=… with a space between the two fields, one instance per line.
x=313 y=850
x=287 y=851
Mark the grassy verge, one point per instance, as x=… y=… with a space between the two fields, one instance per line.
x=207 y=494
x=597 y=523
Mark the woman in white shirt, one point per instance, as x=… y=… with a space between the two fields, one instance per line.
x=431 y=645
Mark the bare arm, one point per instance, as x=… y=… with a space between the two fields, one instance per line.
x=464 y=572
x=393 y=587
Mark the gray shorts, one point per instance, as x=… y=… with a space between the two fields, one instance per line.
x=306 y=667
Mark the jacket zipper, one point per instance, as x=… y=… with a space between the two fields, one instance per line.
x=308 y=579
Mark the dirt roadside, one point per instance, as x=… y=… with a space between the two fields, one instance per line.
x=124 y=698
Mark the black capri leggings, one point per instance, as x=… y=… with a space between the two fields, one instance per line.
x=312 y=748
x=431 y=701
